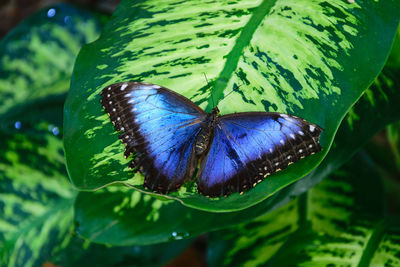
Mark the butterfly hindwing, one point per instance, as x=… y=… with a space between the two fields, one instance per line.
x=249 y=146
x=159 y=126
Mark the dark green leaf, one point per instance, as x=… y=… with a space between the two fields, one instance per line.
x=313 y=60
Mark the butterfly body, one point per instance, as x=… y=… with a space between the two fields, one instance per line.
x=204 y=137
x=170 y=135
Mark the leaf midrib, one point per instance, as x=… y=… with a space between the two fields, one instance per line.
x=234 y=55
x=373 y=243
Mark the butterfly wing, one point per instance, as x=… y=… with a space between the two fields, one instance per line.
x=249 y=146
x=159 y=126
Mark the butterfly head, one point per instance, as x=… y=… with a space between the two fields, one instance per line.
x=215 y=111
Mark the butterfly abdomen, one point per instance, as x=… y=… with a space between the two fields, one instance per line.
x=204 y=137
x=203 y=141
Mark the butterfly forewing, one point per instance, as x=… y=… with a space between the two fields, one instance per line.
x=249 y=146
x=159 y=126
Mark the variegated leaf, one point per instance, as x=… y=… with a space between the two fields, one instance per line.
x=92 y=219
x=312 y=59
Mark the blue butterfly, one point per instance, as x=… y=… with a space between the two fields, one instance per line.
x=170 y=135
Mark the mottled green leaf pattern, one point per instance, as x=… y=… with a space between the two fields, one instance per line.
x=185 y=50
x=309 y=59
x=36 y=198
x=349 y=138
x=272 y=230
x=375 y=109
x=388 y=251
x=36 y=203
x=289 y=70
x=318 y=249
x=37 y=57
x=123 y=216
x=338 y=223
x=364 y=243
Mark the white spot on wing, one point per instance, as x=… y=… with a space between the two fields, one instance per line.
x=300 y=150
x=124 y=86
x=301 y=132
x=155 y=86
x=281 y=141
x=312 y=128
x=292 y=136
x=284 y=116
x=147 y=87
x=270 y=150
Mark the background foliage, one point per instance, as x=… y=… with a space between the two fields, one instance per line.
x=350 y=218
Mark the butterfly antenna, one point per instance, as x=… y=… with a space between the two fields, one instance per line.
x=233 y=90
x=212 y=98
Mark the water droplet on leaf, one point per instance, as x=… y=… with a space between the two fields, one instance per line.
x=18 y=125
x=51 y=12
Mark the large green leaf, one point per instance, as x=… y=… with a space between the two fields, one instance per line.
x=311 y=59
x=337 y=222
x=128 y=211
x=38 y=55
x=126 y=217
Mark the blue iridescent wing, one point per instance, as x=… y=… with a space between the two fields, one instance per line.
x=249 y=146
x=159 y=126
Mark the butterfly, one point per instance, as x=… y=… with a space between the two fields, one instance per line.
x=170 y=136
